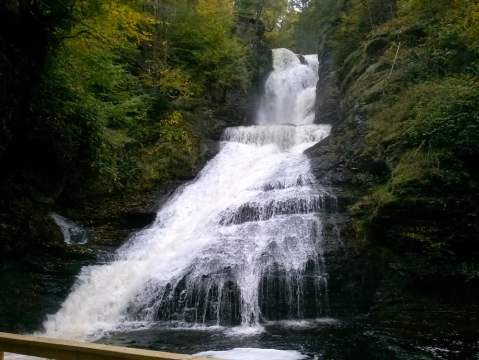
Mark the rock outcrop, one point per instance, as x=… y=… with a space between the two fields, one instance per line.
x=382 y=252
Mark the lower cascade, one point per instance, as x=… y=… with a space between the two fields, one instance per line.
x=238 y=246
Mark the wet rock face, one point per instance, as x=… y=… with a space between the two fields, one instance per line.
x=327 y=92
x=388 y=259
x=212 y=301
x=297 y=295
x=338 y=163
x=326 y=164
x=302 y=59
x=351 y=274
x=112 y=219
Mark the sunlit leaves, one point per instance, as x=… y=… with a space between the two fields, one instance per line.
x=202 y=43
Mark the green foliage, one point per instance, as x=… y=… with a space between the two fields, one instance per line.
x=270 y=12
x=97 y=96
x=89 y=90
x=358 y=19
x=447 y=116
x=415 y=171
x=317 y=18
x=425 y=7
x=279 y=17
x=378 y=197
x=282 y=34
x=174 y=155
x=118 y=70
x=204 y=46
x=409 y=69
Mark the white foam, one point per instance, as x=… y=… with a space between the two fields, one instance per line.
x=303 y=324
x=254 y=354
x=72 y=233
x=286 y=137
x=244 y=331
x=290 y=90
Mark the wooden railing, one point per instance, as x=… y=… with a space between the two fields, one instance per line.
x=75 y=350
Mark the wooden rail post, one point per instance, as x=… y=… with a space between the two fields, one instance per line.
x=59 y=349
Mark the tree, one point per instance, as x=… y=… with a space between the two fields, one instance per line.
x=270 y=12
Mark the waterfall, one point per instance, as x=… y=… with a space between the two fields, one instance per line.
x=239 y=245
x=72 y=233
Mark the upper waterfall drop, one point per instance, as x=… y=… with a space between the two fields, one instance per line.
x=239 y=245
x=290 y=90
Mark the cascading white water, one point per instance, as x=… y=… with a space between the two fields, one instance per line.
x=72 y=233
x=290 y=90
x=228 y=245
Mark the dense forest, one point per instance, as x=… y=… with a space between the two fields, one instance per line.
x=109 y=98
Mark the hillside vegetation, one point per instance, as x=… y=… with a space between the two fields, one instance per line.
x=406 y=85
x=103 y=98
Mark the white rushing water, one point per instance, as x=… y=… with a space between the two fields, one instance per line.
x=249 y=216
x=72 y=233
x=254 y=354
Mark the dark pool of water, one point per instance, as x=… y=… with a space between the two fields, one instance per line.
x=449 y=332
x=429 y=336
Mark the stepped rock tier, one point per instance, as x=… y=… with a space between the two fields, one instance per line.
x=238 y=246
